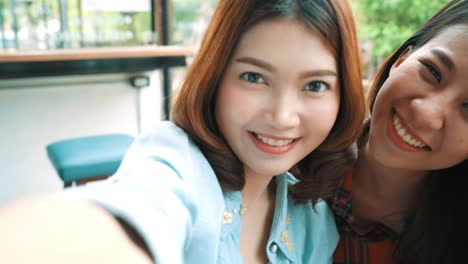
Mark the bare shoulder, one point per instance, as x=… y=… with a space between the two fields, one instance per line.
x=55 y=229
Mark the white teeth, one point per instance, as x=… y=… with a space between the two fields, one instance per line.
x=401 y=132
x=274 y=142
x=404 y=135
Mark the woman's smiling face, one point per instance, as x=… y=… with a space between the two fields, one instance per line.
x=279 y=97
x=420 y=115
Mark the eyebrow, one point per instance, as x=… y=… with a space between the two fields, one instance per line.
x=318 y=73
x=256 y=62
x=444 y=58
x=270 y=68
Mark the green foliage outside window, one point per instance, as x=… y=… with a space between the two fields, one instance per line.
x=189 y=19
x=387 y=23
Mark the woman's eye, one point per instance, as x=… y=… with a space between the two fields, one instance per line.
x=465 y=106
x=464 y=110
x=433 y=70
x=252 y=77
x=316 y=86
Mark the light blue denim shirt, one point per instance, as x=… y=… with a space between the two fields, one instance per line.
x=166 y=190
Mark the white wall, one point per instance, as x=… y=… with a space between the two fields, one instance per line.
x=36 y=112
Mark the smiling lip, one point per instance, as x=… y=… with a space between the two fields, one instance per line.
x=398 y=141
x=271 y=149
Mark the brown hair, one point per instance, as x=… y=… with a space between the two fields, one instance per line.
x=320 y=172
x=435 y=232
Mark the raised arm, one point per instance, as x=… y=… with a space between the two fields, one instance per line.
x=148 y=209
x=51 y=229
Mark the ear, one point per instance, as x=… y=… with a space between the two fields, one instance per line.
x=402 y=57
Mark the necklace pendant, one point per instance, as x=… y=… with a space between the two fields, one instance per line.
x=243 y=209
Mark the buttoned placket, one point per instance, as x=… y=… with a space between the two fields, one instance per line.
x=280 y=241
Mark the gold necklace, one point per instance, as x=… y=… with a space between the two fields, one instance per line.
x=243 y=209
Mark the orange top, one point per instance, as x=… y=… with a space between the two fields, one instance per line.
x=353 y=251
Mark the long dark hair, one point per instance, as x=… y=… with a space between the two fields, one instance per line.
x=194 y=110
x=436 y=231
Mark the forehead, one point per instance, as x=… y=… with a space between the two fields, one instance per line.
x=284 y=39
x=454 y=39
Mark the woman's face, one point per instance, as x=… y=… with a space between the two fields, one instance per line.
x=420 y=116
x=279 y=96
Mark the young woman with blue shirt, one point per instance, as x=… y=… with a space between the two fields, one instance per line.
x=275 y=87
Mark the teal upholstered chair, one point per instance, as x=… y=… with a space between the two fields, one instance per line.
x=83 y=159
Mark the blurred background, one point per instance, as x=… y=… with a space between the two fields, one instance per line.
x=49 y=92
x=58 y=24
x=383 y=25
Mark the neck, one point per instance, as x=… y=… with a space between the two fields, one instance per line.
x=385 y=181
x=255 y=189
x=381 y=190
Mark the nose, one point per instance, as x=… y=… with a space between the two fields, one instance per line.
x=284 y=111
x=429 y=112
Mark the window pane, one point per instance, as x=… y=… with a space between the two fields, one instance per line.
x=190 y=20
x=51 y=24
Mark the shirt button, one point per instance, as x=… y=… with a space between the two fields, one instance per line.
x=274 y=248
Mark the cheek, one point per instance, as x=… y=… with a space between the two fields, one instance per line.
x=379 y=101
x=397 y=83
x=321 y=116
x=464 y=142
x=454 y=150
x=233 y=103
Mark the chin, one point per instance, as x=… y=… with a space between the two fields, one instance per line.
x=270 y=172
x=383 y=157
x=394 y=162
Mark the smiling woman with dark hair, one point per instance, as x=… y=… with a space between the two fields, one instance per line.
x=404 y=202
